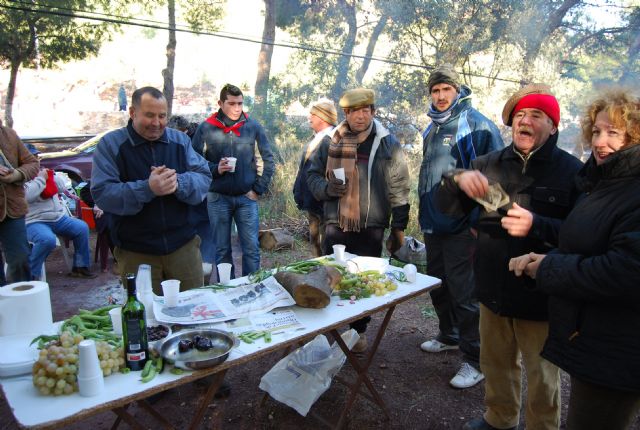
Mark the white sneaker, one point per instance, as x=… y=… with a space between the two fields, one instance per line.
x=466 y=377
x=435 y=345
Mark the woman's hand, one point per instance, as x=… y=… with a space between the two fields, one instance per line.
x=527 y=264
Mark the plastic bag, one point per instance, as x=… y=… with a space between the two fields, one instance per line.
x=412 y=251
x=300 y=378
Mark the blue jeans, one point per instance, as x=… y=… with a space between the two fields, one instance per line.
x=13 y=236
x=204 y=230
x=43 y=237
x=244 y=211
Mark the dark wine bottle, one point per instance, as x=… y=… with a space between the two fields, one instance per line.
x=134 y=328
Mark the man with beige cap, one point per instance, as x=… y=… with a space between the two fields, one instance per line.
x=376 y=187
x=322 y=119
x=523 y=192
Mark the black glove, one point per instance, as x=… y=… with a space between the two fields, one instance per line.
x=336 y=188
x=395 y=240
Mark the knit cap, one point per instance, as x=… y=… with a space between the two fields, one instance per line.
x=537 y=96
x=444 y=74
x=325 y=110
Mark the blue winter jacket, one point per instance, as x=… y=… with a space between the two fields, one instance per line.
x=465 y=135
x=142 y=221
x=254 y=168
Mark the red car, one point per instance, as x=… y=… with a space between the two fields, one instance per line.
x=75 y=162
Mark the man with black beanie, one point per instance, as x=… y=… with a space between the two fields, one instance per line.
x=457 y=134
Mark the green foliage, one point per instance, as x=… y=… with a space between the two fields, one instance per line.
x=202 y=14
x=428 y=312
x=38 y=37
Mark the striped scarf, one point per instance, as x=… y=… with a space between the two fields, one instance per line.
x=343 y=152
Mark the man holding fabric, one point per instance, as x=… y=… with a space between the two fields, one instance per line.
x=376 y=189
x=322 y=119
x=457 y=134
x=536 y=180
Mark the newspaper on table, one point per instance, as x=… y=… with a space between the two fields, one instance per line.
x=202 y=305
x=276 y=321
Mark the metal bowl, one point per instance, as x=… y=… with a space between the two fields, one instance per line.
x=222 y=343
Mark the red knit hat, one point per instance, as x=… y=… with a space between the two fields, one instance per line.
x=544 y=102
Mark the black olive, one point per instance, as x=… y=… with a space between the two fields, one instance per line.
x=203 y=344
x=157 y=332
x=185 y=345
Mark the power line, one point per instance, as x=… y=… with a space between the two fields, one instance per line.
x=158 y=25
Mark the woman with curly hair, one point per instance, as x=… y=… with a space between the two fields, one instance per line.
x=593 y=276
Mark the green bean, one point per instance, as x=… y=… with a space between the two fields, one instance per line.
x=267 y=336
x=176 y=371
x=147 y=368
x=149 y=376
x=43 y=340
x=159 y=364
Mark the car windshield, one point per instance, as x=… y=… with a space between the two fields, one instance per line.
x=88 y=146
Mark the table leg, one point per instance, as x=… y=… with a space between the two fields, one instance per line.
x=128 y=418
x=211 y=391
x=361 y=369
x=145 y=405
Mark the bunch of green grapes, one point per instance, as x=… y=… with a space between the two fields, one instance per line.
x=55 y=371
x=111 y=359
x=381 y=287
x=364 y=285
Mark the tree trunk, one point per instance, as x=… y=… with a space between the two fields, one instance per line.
x=628 y=75
x=167 y=74
x=264 y=58
x=312 y=290
x=11 y=92
x=275 y=239
x=342 y=75
x=546 y=29
x=377 y=31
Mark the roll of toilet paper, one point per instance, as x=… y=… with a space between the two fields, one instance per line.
x=25 y=307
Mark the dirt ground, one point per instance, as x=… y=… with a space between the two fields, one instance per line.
x=414 y=384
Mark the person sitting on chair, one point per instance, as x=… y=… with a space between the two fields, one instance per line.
x=47 y=217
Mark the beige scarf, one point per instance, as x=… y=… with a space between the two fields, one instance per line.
x=343 y=152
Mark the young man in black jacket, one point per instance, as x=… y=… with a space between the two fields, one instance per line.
x=241 y=163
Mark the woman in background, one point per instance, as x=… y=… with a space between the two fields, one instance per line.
x=593 y=276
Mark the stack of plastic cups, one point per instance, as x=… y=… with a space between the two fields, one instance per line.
x=90 y=378
x=144 y=291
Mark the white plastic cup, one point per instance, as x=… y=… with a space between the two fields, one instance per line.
x=170 y=290
x=338 y=252
x=224 y=273
x=116 y=320
x=410 y=271
x=339 y=174
x=231 y=161
x=90 y=378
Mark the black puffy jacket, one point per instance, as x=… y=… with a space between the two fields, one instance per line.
x=544 y=185
x=593 y=278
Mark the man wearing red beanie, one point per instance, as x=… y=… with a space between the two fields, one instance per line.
x=536 y=192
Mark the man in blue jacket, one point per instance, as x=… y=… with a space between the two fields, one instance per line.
x=241 y=163
x=150 y=179
x=457 y=134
